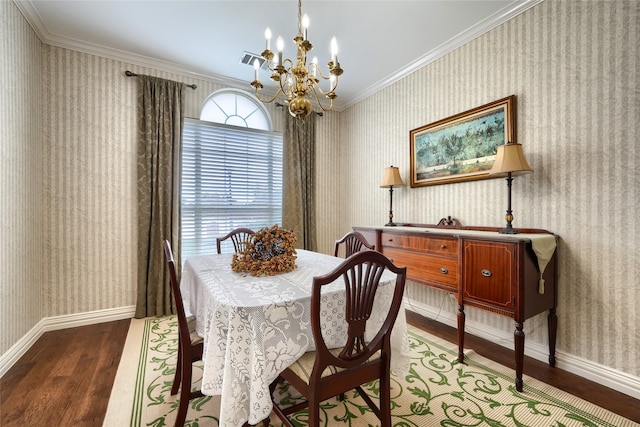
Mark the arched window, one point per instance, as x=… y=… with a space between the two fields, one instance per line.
x=231 y=171
x=237 y=108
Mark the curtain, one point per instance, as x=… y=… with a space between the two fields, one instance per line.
x=298 y=188
x=160 y=122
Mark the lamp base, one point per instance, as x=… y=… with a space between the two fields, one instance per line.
x=508 y=230
x=390 y=224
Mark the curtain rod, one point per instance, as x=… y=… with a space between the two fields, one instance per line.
x=132 y=74
x=320 y=113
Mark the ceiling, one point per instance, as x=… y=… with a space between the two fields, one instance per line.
x=379 y=42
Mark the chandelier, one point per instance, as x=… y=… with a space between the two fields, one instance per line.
x=299 y=81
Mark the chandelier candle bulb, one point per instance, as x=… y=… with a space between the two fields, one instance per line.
x=305 y=25
x=280 y=46
x=256 y=66
x=334 y=51
x=267 y=35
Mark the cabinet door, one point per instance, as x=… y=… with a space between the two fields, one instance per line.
x=489 y=275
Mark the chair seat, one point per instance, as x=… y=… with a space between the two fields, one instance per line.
x=304 y=365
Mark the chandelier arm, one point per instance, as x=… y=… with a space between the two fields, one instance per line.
x=322 y=75
x=316 y=87
x=284 y=86
x=318 y=101
x=265 y=100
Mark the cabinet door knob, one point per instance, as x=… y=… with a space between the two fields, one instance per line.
x=443 y=270
x=486 y=273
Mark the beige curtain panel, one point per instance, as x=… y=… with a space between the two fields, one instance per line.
x=160 y=122
x=298 y=199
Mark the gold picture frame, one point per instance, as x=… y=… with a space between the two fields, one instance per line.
x=461 y=147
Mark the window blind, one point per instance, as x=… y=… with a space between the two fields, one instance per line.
x=231 y=177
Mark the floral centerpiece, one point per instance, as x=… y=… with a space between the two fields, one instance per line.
x=270 y=251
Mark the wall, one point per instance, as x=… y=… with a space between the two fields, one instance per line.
x=573 y=66
x=69 y=174
x=92 y=113
x=22 y=203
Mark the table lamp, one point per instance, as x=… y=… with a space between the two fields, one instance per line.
x=510 y=160
x=391 y=178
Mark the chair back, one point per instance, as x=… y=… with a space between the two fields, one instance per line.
x=239 y=236
x=183 y=327
x=353 y=242
x=361 y=274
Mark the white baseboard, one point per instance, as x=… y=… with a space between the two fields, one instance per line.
x=604 y=375
x=11 y=356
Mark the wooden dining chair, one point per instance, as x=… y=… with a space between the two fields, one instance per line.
x=239 y=237
x=190 y=345
x=326 y=373
x=353 y=242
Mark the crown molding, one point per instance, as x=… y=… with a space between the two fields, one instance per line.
x=447 y=47
x=482 y=27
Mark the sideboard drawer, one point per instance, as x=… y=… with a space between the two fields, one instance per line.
x=438 y=246
x=433 y=270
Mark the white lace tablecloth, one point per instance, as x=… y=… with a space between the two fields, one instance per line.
x=255 y=327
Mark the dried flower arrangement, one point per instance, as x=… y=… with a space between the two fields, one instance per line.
x=270 y=251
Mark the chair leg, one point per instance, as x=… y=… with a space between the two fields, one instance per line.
x=385 y=401
x=314 y=413
x=178 y=376
x=185 y=394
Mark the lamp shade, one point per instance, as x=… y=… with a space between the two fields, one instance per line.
x=391 y=178
x=510 y=158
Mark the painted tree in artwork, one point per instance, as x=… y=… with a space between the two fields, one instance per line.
x=452 y=146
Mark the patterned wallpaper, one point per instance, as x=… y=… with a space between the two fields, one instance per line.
x=22 y=202
x=573 y=66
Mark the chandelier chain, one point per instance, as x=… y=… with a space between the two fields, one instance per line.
x=299 y=17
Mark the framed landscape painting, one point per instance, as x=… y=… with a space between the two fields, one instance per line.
x=462 y=147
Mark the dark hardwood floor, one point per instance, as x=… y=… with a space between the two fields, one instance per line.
x=65 y=379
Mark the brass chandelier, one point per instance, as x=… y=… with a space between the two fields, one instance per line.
x=299 y=81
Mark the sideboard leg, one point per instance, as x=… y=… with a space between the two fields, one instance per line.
x=461 y=333
x=553 y=328
x=518 y=336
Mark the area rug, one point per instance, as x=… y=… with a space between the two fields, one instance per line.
x=437 y=391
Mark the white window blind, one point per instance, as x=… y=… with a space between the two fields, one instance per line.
x=231 y=177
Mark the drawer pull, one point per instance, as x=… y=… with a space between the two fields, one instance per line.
x=443 y=246
x=486 y=273
x=444 y=270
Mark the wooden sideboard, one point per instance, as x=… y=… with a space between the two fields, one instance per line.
x=494 y=272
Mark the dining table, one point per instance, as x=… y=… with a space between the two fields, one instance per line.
x=254 y=327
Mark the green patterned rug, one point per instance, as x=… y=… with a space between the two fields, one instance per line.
x=436 y=391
